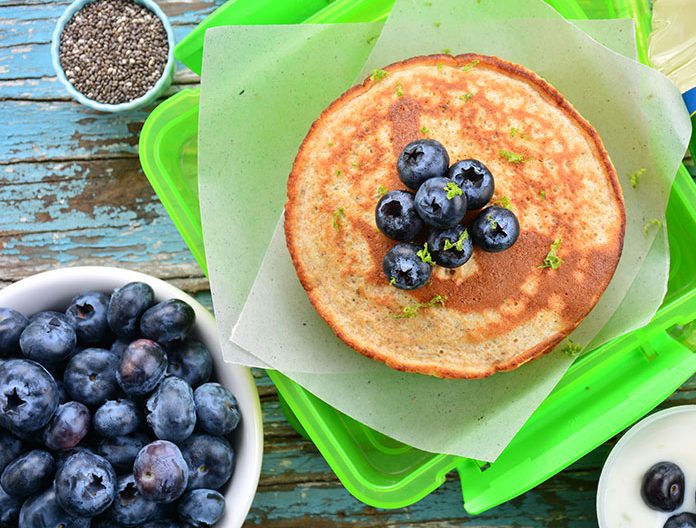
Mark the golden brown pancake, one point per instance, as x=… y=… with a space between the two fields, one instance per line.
x=501 y=309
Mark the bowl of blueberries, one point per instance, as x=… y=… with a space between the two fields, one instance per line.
x=116 y=408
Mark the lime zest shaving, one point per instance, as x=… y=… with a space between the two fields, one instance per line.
x=459 y=244
x=392 y=281
x=470 y=65
x=512 y=157
x=552 y=259
x=437 y=24
x=338 y=214
x=439 y=66
x=466 y=96
x=378 y=74
x=650 y=223
x=517 y=132
x=446 y=51
x=503 y=201
x=493 y=223
x=453 y=190
x=424 y=255
x=425 y=130
x=399 y=90
x=634 y=177
x=339 y=172
x=381 y=191
x=571 y=348
x=542 y=194
x=411 y=310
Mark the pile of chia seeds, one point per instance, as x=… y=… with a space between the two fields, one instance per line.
x=114 y=51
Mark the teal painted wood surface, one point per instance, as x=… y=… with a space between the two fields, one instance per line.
x=72 y=193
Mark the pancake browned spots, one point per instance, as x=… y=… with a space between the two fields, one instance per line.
x=502 y=309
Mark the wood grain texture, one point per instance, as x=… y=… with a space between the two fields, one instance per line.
x=72 y=193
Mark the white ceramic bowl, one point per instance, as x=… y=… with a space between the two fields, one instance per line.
x=664 y=436
x=55 y=289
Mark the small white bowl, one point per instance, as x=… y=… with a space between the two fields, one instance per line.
x=53 y=290
x=664 y=436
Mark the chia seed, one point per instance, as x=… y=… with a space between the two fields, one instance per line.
x=114 y=51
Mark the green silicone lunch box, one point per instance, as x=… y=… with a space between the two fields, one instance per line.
x=604 y=391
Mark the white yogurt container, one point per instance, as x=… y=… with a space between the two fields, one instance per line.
x=666 y=436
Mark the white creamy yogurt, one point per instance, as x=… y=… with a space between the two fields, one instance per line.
x=667 y=436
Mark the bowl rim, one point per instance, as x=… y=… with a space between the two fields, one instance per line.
x=240 y=494
x=634 y=431
x=152 y=93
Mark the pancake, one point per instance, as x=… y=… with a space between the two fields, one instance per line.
x=501 y=309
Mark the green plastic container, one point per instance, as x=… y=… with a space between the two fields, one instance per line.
x=604 y=392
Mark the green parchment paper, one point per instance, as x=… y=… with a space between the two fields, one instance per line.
x=262 y=88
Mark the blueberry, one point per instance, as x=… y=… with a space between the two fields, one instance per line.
x=683 y=520
x=9 y=509
x=87 y=314
x=44 y=511
x=85 y=484
x=10 y=448
x=663 y=487
x=46 y=315
x=458 y=243
x=201 y=507
x=495 y=229
x=210 y=460
x=68 y=426
x=164 y=523
x=191 y=361
x=28 y=395
x=12 y=323
x=396 y=216
x=142 y=367
x=167 y=321
x=434 y=206
x=48 y=340
x=119 y=346
x=170 y=411
x=129 y=507
x=90 y=376
x=216 y=408
x=421 y=160
x=404 y=268
x=117 y=418
x=474 y=178
x=62 y=456
x=127 y=305
x=28 y=474
x=121 y=451
x=160 y=471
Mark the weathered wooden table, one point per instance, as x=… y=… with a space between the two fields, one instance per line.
x=72 y=193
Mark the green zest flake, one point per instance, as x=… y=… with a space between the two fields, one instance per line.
x=494 y=224
x=438 y=23
x=453 y=190
x=512 y=157
x=466 y=96
x=439 y=66
x=428 y=4
x=338 y=172
x=459 y=244
x=425 y=130
x=378 y=75
x=372 y=39
x=399 y=90
x=503 y=201
x=470 y=65
x=517 y=132
x=446 y=51
x=424 y=255
x=338 y=214
x=572 y=349
x=635 y=177
x=381 y=190
x=542 y=194
x=392 y=281
x=650 y=223
x=552 y=259
x=411 y=310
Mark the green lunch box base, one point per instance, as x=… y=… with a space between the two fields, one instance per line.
x=604 y=391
